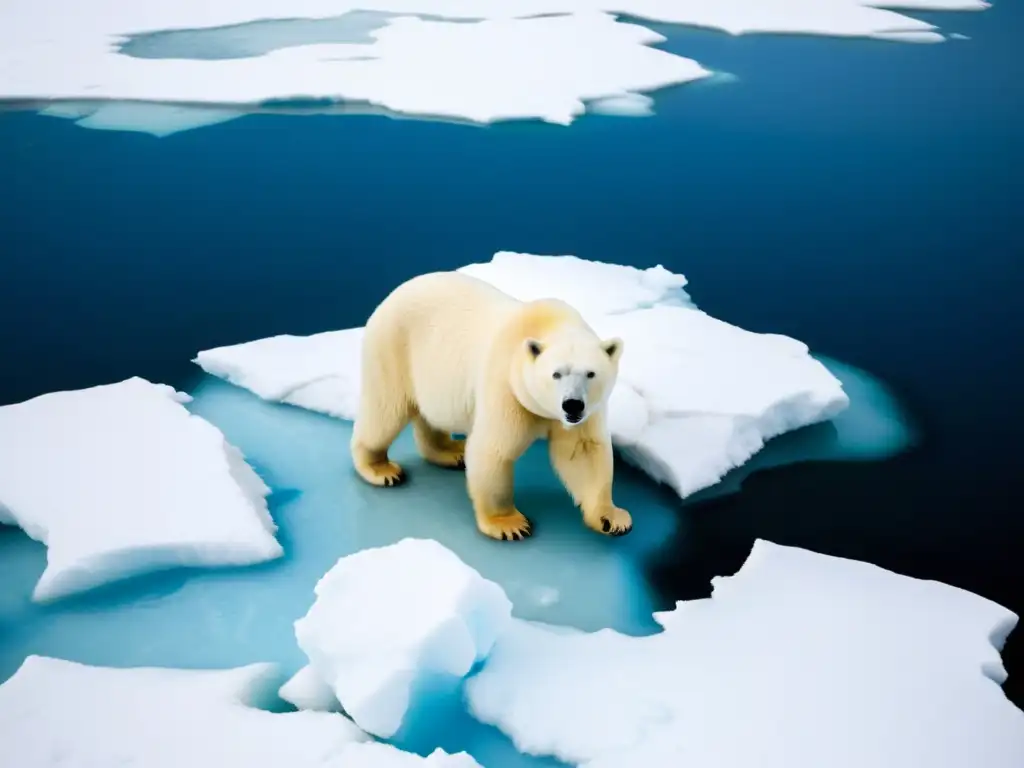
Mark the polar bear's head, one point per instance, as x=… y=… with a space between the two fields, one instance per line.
x=568 y=376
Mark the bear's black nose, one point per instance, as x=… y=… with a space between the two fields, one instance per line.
x=573 y=408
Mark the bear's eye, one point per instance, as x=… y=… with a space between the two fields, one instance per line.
x=590 y=374
x=556 y=375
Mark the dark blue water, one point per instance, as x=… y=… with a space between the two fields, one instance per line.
x=861 y=196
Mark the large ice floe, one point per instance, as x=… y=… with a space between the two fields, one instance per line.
x=121 y=479
x=481 y=62
x=61 y=713
x=800 y=660
x=696 y=396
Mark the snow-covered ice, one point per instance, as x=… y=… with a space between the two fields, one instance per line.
x=387 y=618
x=481 y=62
x=483 y=70
x=121 y=479
x=800 y=660
x=696 y=396
x=60 y=713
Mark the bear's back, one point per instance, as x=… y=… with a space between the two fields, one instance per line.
x=438 y=329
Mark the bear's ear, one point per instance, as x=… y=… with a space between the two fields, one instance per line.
x=533 y=348
x=612 y=348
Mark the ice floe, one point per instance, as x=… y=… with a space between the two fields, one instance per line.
x=386 y=618
x=121 y=479
x=540 y=59
x=500 y=68
x=61 y=713
x=696 y=396
x=799 y=660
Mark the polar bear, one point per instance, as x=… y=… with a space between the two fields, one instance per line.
x=452 y=353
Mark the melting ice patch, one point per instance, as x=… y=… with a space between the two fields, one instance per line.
x=799 y=660
x=60 y=713
x=542 y=59
x=696 y=397
x=121 y=479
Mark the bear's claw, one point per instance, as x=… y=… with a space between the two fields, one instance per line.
x=390 y=482
x=383 y=475
x=512 y=527
x=606 y=527
x=611 y=522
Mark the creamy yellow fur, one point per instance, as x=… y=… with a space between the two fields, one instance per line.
x=451 y=353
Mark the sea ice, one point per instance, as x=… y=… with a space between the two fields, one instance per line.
x=121 y=479
x=696 y=397
x=386 y=619
x=541 y=59
x=413 y=65
x=61 y=713
x=800 y=660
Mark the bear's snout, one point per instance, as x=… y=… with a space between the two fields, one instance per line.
x=573 y=409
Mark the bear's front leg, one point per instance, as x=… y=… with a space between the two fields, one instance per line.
x=583 y=459
x=490 y=465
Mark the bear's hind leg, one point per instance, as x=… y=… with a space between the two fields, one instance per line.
x=376 y=427
x=438 y=447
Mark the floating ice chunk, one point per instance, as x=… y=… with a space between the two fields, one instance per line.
x=121 y=479
x=307 y=690
x=61 y=713
x=799 y=660
x=388 y=618
x=696 y=396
